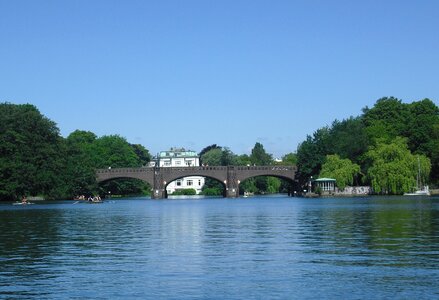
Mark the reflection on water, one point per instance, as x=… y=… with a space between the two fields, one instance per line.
x=220 y=248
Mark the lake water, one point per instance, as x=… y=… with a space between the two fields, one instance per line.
x=248 y=248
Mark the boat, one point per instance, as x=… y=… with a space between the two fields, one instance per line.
x=421 y=190
x=424 y=191
x=22 y=203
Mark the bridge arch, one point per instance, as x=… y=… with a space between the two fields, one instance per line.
x=222 y=181
x=103 y=175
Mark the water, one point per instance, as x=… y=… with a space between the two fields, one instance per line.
x=249 y=248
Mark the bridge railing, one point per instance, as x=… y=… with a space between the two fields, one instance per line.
x=123 y=170
x=200 y=168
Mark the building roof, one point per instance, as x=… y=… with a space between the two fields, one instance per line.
x=177 y=152
x=325 y=179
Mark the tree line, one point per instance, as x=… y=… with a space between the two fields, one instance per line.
x=383 y=147
x=36 y=160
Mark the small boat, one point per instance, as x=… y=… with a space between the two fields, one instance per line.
x=419 y=191
x=95 y=202
x=22 y=203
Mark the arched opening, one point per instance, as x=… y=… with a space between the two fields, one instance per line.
x=194 y=185
x=123 y=187
x=266 y=185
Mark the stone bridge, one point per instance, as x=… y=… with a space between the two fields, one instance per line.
x=230 y=176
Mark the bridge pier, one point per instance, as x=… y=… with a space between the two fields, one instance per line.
x=232 y=192
x=158 y=194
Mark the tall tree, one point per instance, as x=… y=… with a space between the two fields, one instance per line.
x=393 y=168
x=259 y=156
x=342 y=170
x=31 y=153
x=81 y=161
x=142 y=154
x=389 y=115
x=312 y=152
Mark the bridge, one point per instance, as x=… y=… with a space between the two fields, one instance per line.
x=230 y=176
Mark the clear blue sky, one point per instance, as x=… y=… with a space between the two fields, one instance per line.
x=194 y=73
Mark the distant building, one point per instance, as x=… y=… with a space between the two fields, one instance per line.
x=180 y=157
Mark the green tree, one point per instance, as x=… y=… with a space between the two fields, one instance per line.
x=207 y=149
x=289 y=159
x=349 y=139
x=388 y=118
x=259 y=157
x=114 y=151
x=81 y=163
x=142 y=154
x=31 y=153
x=342 y=170
x=212 y=157
x=393 y=168
x=311 y=154
x=421 y=123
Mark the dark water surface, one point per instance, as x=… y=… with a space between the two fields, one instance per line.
x=249 y=248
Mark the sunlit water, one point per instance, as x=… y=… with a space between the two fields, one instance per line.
x=248 y=248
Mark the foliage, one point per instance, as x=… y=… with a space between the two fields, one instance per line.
x=342 y=170
x=212 y=191
x=30 y=153
x=207 y=149
x=393 y=169
x=387 y=120
x=389 y=114
x=259 y=157
x=80 y=167
x=289 y=159
x=142 y=154
x=312 y=152
x=186 y=192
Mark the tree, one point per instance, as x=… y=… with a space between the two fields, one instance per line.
x=289 y=159
x=389 y=114
x=393 y=168
x=342 y=170
x=142 y=154
x=259 y=157
x=349 y=139
x=80 y=165
x=312 y=152
x=31 y=153
x=114 y=151
x=207 y=149
x=422 y=120
x=212 y=157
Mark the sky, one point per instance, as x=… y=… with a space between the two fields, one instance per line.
x=194 y=73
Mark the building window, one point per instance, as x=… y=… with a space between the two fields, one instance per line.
x=199 y=182
x=189 y=182
x=177 y=163
x=178 y=183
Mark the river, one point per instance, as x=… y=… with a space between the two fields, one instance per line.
x=247 y=248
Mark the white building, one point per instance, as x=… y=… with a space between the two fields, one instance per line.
x=179 y=157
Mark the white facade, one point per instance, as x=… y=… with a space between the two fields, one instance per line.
x=179 y=157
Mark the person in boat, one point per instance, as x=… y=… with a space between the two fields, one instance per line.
x=24 y=200
x=97 y=198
